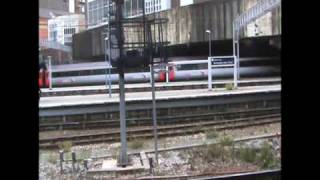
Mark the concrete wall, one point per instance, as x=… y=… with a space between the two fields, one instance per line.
x=188 y=24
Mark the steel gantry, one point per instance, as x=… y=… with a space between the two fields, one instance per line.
x=261 y=8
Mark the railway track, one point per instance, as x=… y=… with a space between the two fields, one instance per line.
x=163 y=131
x=164 y=120
x=235 y=175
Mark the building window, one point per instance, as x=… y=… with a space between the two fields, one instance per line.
x=69 y=30
x=67 y=39
x=97 y=12
x=54 y=35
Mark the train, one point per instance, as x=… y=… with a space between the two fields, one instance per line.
x=43 y=80
x=174 y=71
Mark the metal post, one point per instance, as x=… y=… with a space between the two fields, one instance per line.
x=131 y=14
x=123 y=161
x=86 y=14
x=154 y=114
x=209 y=74
x=107 y=79
x=105 y=56
x=150 y=74
x=235 y=72
x=109 y=48
x=123 y=131
x=238 y=54
x=235 y=65
x=61 y=161
x=234 y=40
x=73 y=154
x=50 y=73
x=110 y=90
x=236 y=51
x=209 y=63
x=151 y=165
x=209 y=35
x=138 y=12
x=210 y=44
x=85 y=164
x=167 y=73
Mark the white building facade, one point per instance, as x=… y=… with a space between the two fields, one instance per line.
x=61 y=28
x=157 y=5
x=97 y=10
x=186 y=2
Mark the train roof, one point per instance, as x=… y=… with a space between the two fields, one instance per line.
x=81 y=66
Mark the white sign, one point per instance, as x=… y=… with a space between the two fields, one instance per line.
x=222 y=62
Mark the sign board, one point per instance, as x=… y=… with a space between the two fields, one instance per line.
x=222 y=62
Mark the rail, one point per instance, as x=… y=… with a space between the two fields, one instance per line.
x=196 y=145
x=139 y=121
x=164 y=131
x=251 y=175
x=230 y=176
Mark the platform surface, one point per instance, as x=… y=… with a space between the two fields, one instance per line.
x=157 y=84
x=58 y=101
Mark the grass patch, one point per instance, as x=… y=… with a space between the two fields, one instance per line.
x=165 y=155
x=222 y=149
x=84 y=154
x=213 y=151
x=115 y=152
x=229 y=86
x=226 y=141
x=211 y=133
x=65 y=146
x=52 y=158
x=136 y=144
x=247 y=154
x=266 y=158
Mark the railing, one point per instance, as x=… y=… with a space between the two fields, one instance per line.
x=54 y=45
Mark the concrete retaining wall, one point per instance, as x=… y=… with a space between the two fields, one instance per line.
x=188 y=24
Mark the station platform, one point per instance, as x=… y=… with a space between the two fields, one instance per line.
x=80 y=100
x=67 y=106
x=84 y=90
